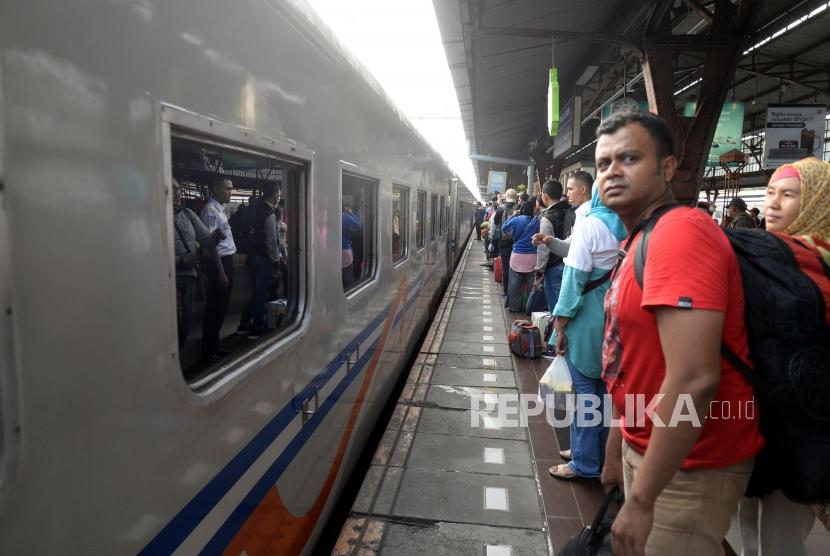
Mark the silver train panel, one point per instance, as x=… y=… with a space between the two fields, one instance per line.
x=104 y=449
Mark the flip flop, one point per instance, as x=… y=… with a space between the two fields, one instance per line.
x=566 y=473
x=566 y=454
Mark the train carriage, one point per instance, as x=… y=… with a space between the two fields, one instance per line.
x=107 y=444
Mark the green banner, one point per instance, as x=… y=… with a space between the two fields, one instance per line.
x=728 y=133
x=553 y=103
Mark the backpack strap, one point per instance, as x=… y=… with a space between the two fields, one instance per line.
x=594 y=284
x=646 y=227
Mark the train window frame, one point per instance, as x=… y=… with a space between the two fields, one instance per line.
x=404 y=226
x=360 y=173
x=179 y=123
x=433 y=218
x=421 y=237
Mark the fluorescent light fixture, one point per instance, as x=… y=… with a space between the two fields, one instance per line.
x=689 y=86
x=817 y=10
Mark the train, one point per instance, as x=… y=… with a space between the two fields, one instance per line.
x=116 y=439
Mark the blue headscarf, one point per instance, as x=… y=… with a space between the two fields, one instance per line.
x=606 y=215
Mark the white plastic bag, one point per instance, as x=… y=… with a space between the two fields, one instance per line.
x=556 y=386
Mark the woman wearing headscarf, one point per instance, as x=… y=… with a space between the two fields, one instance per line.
x=523 y=255
x=797 y=203
x=578 y=330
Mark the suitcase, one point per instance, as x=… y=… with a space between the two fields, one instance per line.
x=497 y=269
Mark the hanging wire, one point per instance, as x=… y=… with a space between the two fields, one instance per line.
x=552 y=51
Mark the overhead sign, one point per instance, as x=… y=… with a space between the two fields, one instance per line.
x=496 y=181
x=622 y=105
x=553 y=103
x=570 y=125
x=728 y=133
x=794 y=131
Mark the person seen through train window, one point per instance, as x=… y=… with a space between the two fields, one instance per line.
x=351 y=232
x=262 y=261
x=683 y=473
x=189 y=231
x=523 y=255
x=797 y=203
x=219 y=280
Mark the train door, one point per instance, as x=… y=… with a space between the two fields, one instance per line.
x=452 y=235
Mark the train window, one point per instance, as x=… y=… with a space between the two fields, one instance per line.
x=358 y=227
x=400 y=223
x=443 y=215
x=236 y=224
x=421 y=220
x=433 y=214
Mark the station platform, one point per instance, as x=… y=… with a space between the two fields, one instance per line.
x=449 y=477
x=446 y=481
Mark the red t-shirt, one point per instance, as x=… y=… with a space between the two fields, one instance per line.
x=690 y=265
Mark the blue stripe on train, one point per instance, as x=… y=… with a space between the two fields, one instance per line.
x=178 y=529
x=243 y=511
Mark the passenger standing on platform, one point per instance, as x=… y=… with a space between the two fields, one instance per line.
x=189 y=230
x=479 y=219
x=523 y=256
x=738 y=217
x=557 y=220
x=219 y=280
x=579 y=318
x=579 y=196
x=662 y=347
x=262 y=262
x=797 y=203
x=753 y=214
x=505 y=244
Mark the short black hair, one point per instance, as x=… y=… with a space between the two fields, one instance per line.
x=553 y=189
x=529 y=207
x=524 y=196
x=494 y=198
x=218 y=181
x=584 y=177
x=656 y=127
x=269 y=189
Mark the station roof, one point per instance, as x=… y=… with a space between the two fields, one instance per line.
x=501 y=76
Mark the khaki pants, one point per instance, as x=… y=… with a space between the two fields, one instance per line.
x=693 y=513
x=774 y=525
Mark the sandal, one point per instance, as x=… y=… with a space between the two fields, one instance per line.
x=566 y=473
x=566 y=454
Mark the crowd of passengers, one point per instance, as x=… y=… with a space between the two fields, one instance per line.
x=661 y=335
x=204 y=249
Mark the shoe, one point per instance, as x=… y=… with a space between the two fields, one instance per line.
x=549 y=356
x=256 y=333
x=243 y=329
x=566 y=473
x=566 y=454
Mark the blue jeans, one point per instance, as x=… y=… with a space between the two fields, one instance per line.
x=553 y=283
x=587 y=442
x=262 y=278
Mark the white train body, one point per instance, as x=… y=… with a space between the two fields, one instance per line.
x=104 y=447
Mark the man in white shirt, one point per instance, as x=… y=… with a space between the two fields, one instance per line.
x=578 y=189
x=219 y=280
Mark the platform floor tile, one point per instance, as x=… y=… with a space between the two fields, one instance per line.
x=460 y=497
x=464 y=423
x=473 y=377
x=470 y=454
x=460 y=539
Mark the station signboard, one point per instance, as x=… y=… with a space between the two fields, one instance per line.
x=623 y=104
x=570 y=126
x=496 y=181
x=728 y=133
x=793 y=132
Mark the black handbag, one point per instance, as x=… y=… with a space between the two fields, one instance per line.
x=595 y=539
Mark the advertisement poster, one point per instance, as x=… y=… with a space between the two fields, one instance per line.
x=496 y=181
x=728 y=133
x=794 y=131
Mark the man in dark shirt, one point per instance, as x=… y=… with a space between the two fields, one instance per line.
x=738 y=217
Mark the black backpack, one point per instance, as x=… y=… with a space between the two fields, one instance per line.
x=789 y=343
x=243 y=226
x=562 y=219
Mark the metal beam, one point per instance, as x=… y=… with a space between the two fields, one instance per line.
x=560 y=34
x=701 y=9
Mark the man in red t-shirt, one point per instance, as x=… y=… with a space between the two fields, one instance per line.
x=689 y=424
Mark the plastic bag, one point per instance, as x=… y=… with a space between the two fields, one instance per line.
x=556 y=386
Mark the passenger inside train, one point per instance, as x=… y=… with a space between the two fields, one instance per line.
x=234 y=281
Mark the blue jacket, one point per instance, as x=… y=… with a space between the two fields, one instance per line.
x=522 y=227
